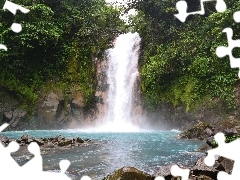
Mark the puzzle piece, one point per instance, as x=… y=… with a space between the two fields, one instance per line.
x=227 y=150
x=182 y=9
x=177 y=171
x=222 y=51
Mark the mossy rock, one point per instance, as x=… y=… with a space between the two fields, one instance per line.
x=129 y=173
x=200 y=131
x=64 y=143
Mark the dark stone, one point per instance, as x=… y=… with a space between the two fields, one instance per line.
x=25 y=137
x=200 y=131
x=4 y=139
x=60 y=108
x=58 y=138
x=64 y=143
x=79 y=140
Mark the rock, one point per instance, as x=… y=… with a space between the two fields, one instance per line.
x=7 y=116
x=49 y=145
x=227 y=164
x=46 y=142
x=59 y=138
x=200 y=131
x=64 y=143
x=231 y=132
x=79 y=140
x=209 y=132
x=201 y=171
x=129 y=173
x=209 y=141
x=25 y=137
x=200 y=177
x=201 y=168
x=4 y=139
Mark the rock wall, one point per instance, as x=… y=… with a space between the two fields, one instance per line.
x=167 y=116
x=9 y=108
x=102 y=87
x=58 y=109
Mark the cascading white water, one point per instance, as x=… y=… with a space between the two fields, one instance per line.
x=122 y=73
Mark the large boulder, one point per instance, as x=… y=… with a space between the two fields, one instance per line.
x=129 y=173
x=200 y=168
x=201 y=131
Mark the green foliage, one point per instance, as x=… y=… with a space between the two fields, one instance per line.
x=59 y=42
x=179 y=63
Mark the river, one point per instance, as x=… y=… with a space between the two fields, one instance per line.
x=146 y=151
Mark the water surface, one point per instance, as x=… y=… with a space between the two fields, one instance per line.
x=146 y=151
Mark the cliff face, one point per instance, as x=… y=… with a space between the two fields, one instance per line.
x=61 y=109
x=102 y=88
x=57 y=108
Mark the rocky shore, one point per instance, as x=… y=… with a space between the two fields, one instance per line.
x=55 y=142
x=199 y=171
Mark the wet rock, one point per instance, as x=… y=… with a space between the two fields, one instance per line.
x=25 y=137
x=200 y=131
x=49 y=142
x=59 y=138
x=49 y=145
x=79 y=140
x=129 y=173
x=64 y=143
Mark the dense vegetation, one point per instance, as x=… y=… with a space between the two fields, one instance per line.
x=57 y=46
x=179 y=63
x=61 y=39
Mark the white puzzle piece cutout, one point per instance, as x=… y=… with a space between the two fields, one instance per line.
x=182 y=9
x=177 y=171
x=227 y=150
x=159 y=178
x=222 y=51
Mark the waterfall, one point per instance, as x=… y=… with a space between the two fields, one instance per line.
x=121 y=75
